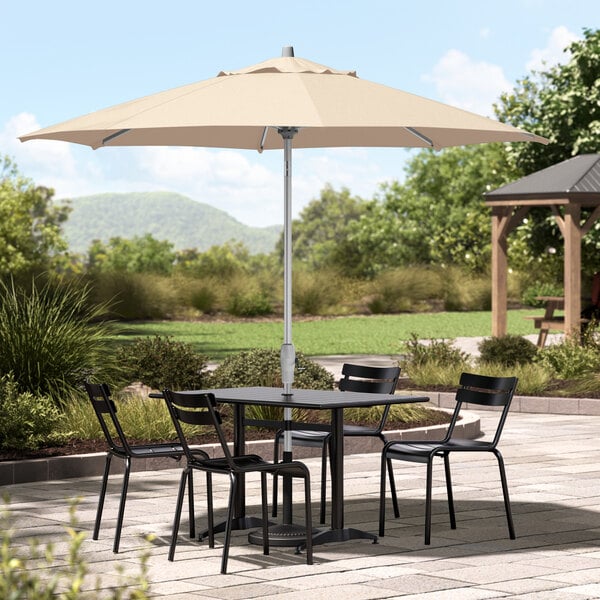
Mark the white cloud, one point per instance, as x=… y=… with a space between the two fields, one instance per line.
x=554 y=52
x=465 y=83
x=48 y=156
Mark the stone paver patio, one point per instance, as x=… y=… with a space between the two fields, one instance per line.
x=553 y=469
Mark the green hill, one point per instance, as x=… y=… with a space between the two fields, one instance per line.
x=166 y=216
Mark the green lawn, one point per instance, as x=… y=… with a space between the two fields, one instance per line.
x=376 y=334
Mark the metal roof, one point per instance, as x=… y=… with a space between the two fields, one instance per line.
x=577 y=178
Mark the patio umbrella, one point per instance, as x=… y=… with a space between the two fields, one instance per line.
x=272 y=105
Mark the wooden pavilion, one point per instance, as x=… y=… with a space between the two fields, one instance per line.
x=565 y=188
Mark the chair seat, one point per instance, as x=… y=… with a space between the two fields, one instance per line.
x=423 y=450
x=252 y=462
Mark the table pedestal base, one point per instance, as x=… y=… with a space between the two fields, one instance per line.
x=295 y=535
x=238 y=524
x=282 y=535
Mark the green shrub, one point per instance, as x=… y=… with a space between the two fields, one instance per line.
x=538 y=288
x=569 y=360
x=262 y=368
x=52 y=337
x=27 y=422
x=438 y=352
x=28 y=572
x=204 y=299
x=463 y=291
x=508 y=350
x=135 y=296
x=315 y=292
x=163 y=363
x=403 y=290
x=249 y=304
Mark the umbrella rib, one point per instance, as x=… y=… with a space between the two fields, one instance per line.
x=112 y=136
x=419 y=135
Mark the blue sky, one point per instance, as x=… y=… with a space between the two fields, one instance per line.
x=66 y=58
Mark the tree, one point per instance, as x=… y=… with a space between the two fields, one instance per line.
x=563 y=105
x=138 y=255
x=320 y=231
x=225 y=261
x=437 y=216
x=30 y=225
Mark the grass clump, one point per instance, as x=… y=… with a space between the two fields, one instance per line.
x=52 y=337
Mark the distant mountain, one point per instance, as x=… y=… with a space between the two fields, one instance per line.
x=166 y=216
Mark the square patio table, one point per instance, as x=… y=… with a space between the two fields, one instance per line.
x=333 y=401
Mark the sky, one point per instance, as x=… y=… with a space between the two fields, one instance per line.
x=66 y=58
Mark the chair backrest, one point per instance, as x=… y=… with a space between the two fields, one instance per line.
x=484 y=391
x=371 y=380
x=375 y=380
x=106 y=412
x=196 y=409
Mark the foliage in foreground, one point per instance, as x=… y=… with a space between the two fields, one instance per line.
x=52 y=338
x=31 y=572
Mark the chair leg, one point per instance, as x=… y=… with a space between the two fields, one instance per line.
x=308 y=520
x=275 y=477
x=324 y=453
x=122 y=505
x=384 y=463
x=265 y=512
x=393 y=488
x=228 y=524
x=209 y=507
x=428 y=501
x=509 y=519
x=191 y=504
x=177 y=518
x=449 y=490
x=102 y=496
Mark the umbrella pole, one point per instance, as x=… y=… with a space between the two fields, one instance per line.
x=286 y=534
x=288 y=353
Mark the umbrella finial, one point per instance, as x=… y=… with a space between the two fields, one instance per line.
x=287 y=51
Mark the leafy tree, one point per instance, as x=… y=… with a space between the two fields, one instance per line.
x=225 y=261
x=138 y=255
x=563 y=105
x=30 y=225
x=437 y=216
x=320 y=232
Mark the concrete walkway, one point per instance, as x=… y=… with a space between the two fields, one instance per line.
x=553 y=468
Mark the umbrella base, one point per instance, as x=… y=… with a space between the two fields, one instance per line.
x=282 y=535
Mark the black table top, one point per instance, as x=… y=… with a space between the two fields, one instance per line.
x=315 y=399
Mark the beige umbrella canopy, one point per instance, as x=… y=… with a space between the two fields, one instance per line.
x=329 y=107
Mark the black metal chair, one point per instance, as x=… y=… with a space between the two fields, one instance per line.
x=118 y=445
x=201 y=409
x=474 y=389
x=355 y=378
